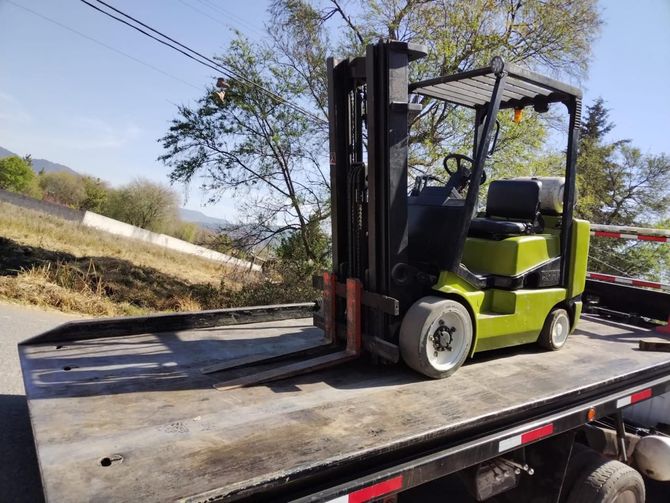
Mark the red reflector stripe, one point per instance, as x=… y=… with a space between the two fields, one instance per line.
x=606 y=234
x=377 y=490
x=540 y=432
x=602 y=277
x=654 y=238
x=640 y=395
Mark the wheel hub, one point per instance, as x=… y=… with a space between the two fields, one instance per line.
x=443 y=337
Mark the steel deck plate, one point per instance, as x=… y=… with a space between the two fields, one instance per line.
x=145 y=399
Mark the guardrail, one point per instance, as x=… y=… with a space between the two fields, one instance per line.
x=651 y=303
x=633 y=233
x=622 y=280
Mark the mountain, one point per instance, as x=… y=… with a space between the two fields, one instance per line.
x=51 y=167
x=203 y=220
x=6 y=153
x=40 y=164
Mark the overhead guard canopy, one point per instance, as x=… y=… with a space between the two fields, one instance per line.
x=474 y=88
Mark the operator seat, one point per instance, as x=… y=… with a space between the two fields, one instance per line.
x=512 y=208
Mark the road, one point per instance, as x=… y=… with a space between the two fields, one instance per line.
x=19 y=474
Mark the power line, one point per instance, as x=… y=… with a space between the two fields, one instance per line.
x=205 y=14
x=208 y=62
x=221 y=10
x=149 y=35
x=103 y=44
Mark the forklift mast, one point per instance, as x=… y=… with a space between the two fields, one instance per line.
x=369 y=200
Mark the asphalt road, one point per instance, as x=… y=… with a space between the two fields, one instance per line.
x=19 y=474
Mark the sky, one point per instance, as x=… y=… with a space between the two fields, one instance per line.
x=90 y=104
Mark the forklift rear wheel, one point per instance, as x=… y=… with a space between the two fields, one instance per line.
x=436 y=336
x=556 y=330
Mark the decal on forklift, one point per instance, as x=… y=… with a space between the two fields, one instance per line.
x=635 y=397
x=527 y=437
x=371 y=492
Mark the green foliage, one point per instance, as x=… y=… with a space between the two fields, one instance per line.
x=257 y=147
x=16 y=175
x=546 y=35
x=187 y=231
x=63 y=188
x=618 y=185
x=145 y=204
x=295 y=264
x=96 y=193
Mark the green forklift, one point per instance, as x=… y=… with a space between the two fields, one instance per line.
x=426 y=277
x=512 y=274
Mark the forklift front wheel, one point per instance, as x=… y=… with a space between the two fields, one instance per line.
x=556 y=330
x=436 y=336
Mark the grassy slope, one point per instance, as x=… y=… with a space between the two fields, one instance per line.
x=51 y=262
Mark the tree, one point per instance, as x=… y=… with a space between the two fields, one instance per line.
x=143 y=203
x=187 y=231
x=257 y=146
x=96 y=193
x=618 y=185
x=63 y=188
x=16 y=174
x=265 y=150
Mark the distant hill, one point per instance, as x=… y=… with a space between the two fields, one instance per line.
x=40 y=164
x=194 y=216
x=203 y=220
x=6 y=153
x=51 y=167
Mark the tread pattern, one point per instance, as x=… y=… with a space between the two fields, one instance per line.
x=603 y=480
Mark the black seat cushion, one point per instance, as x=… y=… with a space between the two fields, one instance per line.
x=489 y=227
x=512 y=208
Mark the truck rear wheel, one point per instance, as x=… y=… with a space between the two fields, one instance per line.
x=607 y=481
x=436 y=336
x=556 y=330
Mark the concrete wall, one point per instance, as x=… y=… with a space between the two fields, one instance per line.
x=90 y=219
x=112 y=226
x=43 y=206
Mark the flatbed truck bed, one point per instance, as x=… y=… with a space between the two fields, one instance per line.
x=124 y=416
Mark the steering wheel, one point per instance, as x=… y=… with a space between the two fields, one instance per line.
x=465 y=173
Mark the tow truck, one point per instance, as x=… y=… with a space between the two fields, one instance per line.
x=338 y=401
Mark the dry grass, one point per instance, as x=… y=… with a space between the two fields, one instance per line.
x=40 y=230
x=51 y=262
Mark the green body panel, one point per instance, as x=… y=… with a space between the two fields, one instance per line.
x=581 y=235
x=502 y=318
x=511 y=256
x=506 y=318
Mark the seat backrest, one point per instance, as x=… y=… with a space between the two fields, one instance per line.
x=517 y=200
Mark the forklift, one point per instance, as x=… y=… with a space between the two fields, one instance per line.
x=425 y=277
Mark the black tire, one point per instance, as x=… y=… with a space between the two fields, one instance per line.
x=582 y=456
x=607 y=481
x=419 y=333
x=556 y=329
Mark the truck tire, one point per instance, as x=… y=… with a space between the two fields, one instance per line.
x=556 y=330
x=436 y=336
x=608 y=481
x=581 y=456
